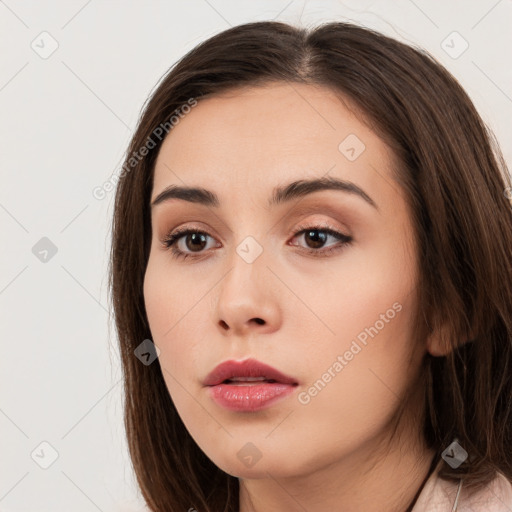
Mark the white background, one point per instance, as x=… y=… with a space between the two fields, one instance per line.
x=65 y=123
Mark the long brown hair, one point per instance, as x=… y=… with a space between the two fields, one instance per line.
x=455 y=179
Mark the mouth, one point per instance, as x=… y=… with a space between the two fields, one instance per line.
x=247 y=371
x=248 y=385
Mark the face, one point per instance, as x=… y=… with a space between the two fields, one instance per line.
x=317 y=284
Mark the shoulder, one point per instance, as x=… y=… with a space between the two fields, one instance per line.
x=442 y=495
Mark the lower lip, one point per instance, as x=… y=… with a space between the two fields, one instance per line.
x=249 y=398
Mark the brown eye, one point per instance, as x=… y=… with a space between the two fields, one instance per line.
x=195 y=241
x=316 y=237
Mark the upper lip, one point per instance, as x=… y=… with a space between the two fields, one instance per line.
x=246 y=368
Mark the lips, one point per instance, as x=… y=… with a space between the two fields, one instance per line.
x=246 y=372
x=248 y=386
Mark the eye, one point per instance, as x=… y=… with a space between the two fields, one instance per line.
x=194 y=241
x=193 y=238
x=317 y=236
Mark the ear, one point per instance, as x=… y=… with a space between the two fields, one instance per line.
x=437 y=343
x=440 y=344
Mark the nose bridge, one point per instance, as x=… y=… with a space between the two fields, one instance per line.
x=245 y=297
x=248 y=270
x=248 y=256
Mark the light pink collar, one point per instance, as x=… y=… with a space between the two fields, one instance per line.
x=439 y=495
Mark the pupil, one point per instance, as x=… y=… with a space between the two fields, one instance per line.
x=318 y=238
x=195 y=237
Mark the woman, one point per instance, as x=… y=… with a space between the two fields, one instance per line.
x=340 y=338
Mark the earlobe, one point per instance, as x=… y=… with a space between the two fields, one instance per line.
x=439 y=341
x=437 y=345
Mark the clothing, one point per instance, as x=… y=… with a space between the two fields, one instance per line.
x=439 y=495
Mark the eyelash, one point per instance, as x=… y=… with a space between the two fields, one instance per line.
x=170 y=240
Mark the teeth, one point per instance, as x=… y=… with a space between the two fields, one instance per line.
x=247 y=379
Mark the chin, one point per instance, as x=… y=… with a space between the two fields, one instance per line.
x=278 y=466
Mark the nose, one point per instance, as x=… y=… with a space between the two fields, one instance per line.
x=247 y=300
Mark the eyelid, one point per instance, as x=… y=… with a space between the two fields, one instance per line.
x=320 y=223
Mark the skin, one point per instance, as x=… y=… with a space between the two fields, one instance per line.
x=335 y=452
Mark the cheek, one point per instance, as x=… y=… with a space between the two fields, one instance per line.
x=355 y=386
x=163 y=315
x=369 y=356
x=167 y=316
x=367 y=292
x=171 y=311
x=166 y=297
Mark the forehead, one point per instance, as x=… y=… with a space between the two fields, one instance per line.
x=258 y=137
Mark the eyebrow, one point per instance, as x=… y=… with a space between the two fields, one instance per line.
x=281 y=194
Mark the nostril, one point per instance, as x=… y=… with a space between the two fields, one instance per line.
x=259 y=321
x=223 y=324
